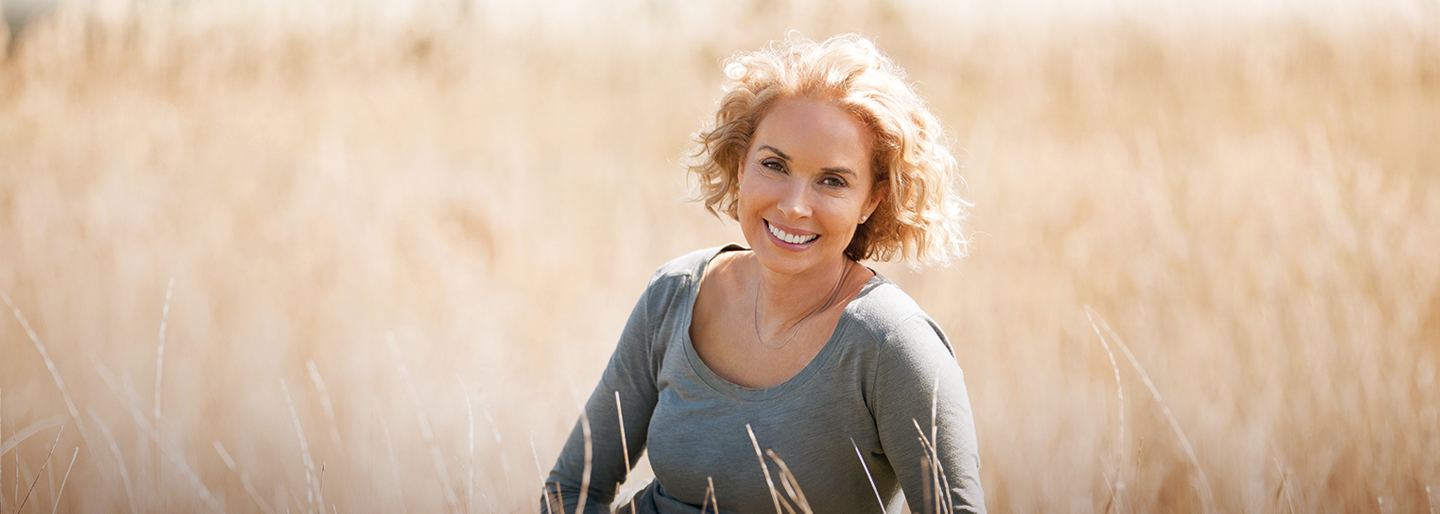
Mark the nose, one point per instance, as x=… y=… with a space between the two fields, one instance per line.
x=796 y=202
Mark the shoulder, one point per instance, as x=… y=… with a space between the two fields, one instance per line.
x=690 y=265
x=901 y=350
x=674 y=277
x=891 y=320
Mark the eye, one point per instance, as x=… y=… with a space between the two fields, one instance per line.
x=833 y=181
x=774 y=164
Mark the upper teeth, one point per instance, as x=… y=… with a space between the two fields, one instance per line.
x=789 y=238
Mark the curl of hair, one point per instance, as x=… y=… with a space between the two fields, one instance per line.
x=920 y=220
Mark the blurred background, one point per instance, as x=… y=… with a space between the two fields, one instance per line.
x=336 y=257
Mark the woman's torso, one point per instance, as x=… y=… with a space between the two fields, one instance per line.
x=816 y=416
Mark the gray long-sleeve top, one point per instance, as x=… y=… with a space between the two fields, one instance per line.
x=864 y=394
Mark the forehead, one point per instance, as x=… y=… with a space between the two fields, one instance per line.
x=816 y=133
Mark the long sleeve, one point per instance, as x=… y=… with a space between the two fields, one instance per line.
x=916 y=355
x=631 y=372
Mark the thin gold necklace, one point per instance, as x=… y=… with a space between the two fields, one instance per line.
x=844 y=273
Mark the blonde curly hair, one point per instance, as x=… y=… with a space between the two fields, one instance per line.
x=920 y=219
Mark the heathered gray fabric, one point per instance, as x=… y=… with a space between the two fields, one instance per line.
x=870 y=386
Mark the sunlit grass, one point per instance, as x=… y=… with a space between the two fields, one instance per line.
x=421 y=229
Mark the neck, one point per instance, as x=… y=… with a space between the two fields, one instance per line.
x=784 y=300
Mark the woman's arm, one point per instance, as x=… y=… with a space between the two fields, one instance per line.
x=915 y=357
x=631 y=373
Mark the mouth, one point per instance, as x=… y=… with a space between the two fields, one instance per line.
x=786 y=237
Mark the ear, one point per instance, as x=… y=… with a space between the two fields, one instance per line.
x=877 y=194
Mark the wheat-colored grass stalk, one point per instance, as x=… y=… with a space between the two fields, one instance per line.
x=710 y=499
x=160 y=373
x=470 y=468
x=1119 y=482
x=774 y=495
x=425 y=432
x=792 y=486
x=1205 y=491
x=1283 y=489
x=394 y=465
x=934 y=472
x=17 y=437
x=325 y=403
x=320 y=488
x=500 y=443
x=539 y=471
x=131 y=403
x=868 y=476
x=620 y=417
x=625 y=446
x=21 y=508
x=930 y=465
x=50 y=482
x=312 y=494
x=585 y=474
x=927 y=487
x=787 y=480
x=1119 y=387
x=947 y=502
x=1110 y=486
x=553 y=502
x=558 y=504
x=50 y=366
x=244 y=478
x=19 y=472
x=55 y=503
x=470 y=491
x=119 y=461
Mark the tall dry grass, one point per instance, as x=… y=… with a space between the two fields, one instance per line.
x=404 y=239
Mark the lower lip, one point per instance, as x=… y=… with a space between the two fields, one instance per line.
x=787 y=245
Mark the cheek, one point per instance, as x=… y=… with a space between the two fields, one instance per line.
x=752 y=190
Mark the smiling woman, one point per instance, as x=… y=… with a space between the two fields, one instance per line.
x=790 y=349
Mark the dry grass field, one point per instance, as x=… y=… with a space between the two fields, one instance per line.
x=337 y=258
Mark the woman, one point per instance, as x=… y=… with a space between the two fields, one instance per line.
x=790 y=348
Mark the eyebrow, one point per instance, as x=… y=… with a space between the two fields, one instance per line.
x=834 y=169
x=776 y=151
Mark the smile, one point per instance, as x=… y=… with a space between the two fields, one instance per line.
x=790 y=238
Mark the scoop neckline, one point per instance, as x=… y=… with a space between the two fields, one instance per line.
x=737 y=391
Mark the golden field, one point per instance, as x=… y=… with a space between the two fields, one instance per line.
x=403 y=239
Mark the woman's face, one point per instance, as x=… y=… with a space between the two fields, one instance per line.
x=804 y=185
